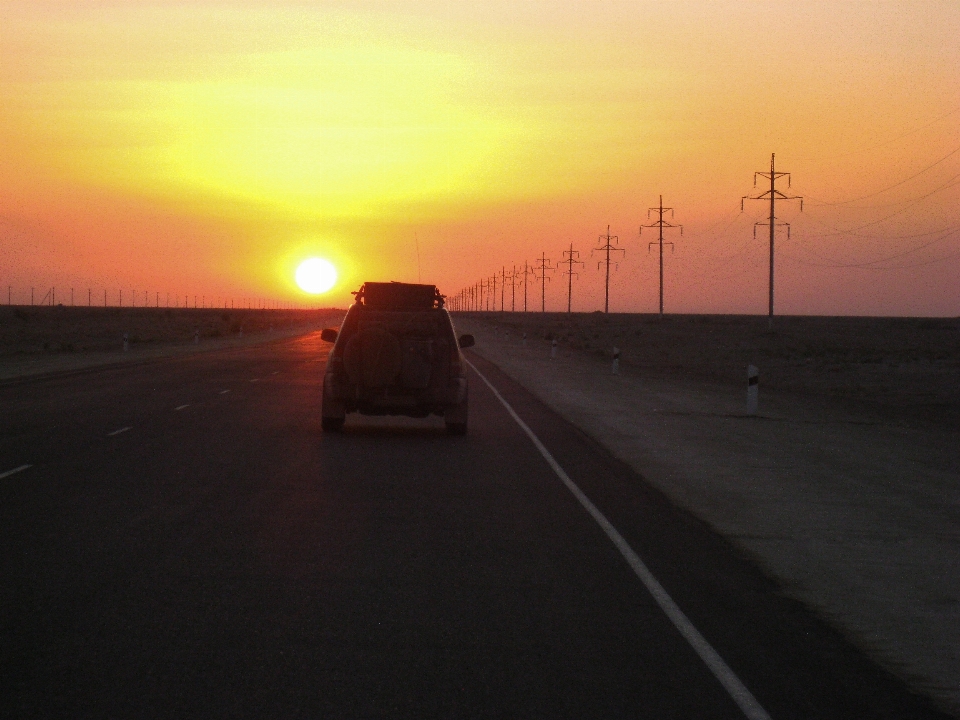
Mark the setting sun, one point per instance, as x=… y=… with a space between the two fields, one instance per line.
x=316 y=276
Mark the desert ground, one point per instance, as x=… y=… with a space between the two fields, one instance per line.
x=902 y=367
x=37 y=340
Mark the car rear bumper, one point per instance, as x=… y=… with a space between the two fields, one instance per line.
x=393 y=400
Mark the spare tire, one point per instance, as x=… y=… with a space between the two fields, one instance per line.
x=373 y=358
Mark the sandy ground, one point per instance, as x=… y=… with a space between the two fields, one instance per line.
x=43 y=340
x=845 y=487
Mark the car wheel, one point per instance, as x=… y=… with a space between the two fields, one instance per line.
x=331 y=424
x=454 y=428
x=455 y=419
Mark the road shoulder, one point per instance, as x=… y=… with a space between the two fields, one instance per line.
x=854 y=515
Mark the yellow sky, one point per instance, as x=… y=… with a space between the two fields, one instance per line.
x=208 y=147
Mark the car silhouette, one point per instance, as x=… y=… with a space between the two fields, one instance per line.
x=396 y=353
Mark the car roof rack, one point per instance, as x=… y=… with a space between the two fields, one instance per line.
x=399 y=296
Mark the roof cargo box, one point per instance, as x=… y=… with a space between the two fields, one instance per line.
x=399 y=296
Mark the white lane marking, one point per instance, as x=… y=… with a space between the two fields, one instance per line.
x=224 y=392
x=275 y=372
x=255 y=380
x=711 y=658
x=182 y=407
x=117 y=432
x=8 y=473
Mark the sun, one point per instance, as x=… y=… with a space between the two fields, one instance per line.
x=316 y=275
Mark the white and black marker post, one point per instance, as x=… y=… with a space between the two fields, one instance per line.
x=553 y=348
x=753 y=389
x=196 y=336
x=616 y=360
x=524 y=339
x=126 y=342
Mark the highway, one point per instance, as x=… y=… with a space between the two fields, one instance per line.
x=181 y=540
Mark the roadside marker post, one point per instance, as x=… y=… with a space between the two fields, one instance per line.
x=524 y=339
x=616 y=361
x=126 y=342
x=753 y=389
x=553 y=348
x=196 y=336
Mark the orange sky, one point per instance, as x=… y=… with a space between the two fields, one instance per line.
x=208 y=147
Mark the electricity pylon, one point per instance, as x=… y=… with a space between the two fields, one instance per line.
x=543 y=268
x=527 y=272
x=503 y=285
x=513 y=289
x=570 y=262
x=773 y=194
x=661 y=224
x=607 y=248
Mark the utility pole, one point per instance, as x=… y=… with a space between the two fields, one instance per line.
x=570 y=262
x=493 y=301
x=607 y=248
x=773 y=195
x=660 y=224
x=527 y=272
x=503 y=282
x=543 y=268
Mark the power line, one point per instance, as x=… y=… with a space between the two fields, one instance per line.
x=607 y=248
x=950 y=183
x=661 y=224
x=772 y=194
x=908 y=133
x=904 y=253
x=897 y=184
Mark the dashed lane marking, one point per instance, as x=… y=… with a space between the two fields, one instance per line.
x=711 y=658
x=275 y=372
x=8 y=473
x=224 y=392
x=117 y=432
x=182 y=407
x=255 y=380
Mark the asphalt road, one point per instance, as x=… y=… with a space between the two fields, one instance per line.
x=187 y=543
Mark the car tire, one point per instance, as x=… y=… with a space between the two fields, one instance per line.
x=454 y=428
x=332 y=424
x=455 y=418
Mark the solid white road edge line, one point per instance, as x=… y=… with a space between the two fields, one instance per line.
x=117 y=432
x=711 y=658
x=8 y=473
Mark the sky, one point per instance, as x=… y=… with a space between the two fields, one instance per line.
x=181 y=149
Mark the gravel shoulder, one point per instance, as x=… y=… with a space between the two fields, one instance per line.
x=853 y=506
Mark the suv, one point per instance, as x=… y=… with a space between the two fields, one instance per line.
x=396 y=354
